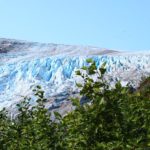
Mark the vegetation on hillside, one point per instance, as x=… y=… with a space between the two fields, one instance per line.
x=112 y=119
x=144 y=87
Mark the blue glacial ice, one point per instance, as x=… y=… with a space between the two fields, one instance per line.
x=53 y=67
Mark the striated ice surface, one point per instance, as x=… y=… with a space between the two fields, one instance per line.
x=24 y=65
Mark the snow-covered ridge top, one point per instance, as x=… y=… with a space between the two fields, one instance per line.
x=9 y=45
x=18 y=48
x=15 y=50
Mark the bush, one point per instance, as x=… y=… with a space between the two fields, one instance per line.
x=144 y=87
x=113 y=119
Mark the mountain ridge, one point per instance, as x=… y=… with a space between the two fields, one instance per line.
x=23 y=66
x=8 y=45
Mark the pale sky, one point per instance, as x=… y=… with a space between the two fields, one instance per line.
x=113 y=24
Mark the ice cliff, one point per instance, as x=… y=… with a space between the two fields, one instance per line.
x=25 y=64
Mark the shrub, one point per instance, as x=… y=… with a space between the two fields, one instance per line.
x=144 y=87
x=113 y=119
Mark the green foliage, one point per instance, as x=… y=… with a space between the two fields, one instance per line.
x=144 y=87
x=112 y=119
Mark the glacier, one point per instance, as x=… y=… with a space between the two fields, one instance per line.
x=26 y=64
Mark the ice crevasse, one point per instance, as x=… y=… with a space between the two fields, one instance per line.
x=57 y=74
x=26 y=64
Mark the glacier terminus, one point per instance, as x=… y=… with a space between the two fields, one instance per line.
x=26 y=64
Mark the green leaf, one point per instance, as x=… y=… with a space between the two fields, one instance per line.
x=89 y=60
x=96 y=89
x=102 y=71
x=57 y=115
x=75 y=102
x=78 y=72
x=79 y=85
x=84 y=68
